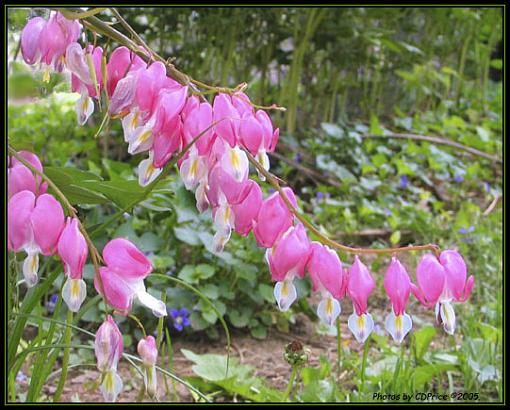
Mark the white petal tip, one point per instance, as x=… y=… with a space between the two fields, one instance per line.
x=74 y=293
x=328 y=311
x=398 y=326
x=285 y=294
x=111 y=386
x=361 y=326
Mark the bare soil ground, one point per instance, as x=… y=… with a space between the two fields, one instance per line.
x=266 y=356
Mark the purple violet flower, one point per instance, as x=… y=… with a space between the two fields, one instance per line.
x=180 y=318
x=458 y=178
x=51 y=303
x=403 y=181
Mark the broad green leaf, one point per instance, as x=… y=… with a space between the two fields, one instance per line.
x=423 y=338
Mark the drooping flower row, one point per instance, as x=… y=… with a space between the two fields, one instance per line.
x=37 y=225
x=162 y=117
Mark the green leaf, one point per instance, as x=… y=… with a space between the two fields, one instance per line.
x=239 y=318
x=424 y=374
x=423 y=338
x=205 y=271
x=72 y=182
x=267 y=292
x=150 y=242
x=259 y=332
x=121 y=192
x=395 y=238
x=213 y=367
x=332 y=130
x=187 y=235
x=188 y=274
x=211 y=291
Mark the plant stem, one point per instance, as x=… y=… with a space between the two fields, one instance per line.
x=291 y=382
x=65 y=360
x=139 y=47
x=161 y=322
x=324 y=239
x=364 y=366
x=133 y=317
x=170 y=357
x=338 y=348
x=398 y=366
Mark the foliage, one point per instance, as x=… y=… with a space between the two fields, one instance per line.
x=363 y=71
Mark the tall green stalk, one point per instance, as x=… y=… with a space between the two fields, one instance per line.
x=364 y=366
x=338 y=348
x=398 y=366
x=65 y=360
x=291 y=382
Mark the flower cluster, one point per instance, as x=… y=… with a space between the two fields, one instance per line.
x=163 y=118
x=37 y=225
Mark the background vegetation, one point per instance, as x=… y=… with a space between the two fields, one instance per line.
x=351 y=78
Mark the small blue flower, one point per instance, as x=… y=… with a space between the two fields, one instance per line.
x=180 y=318
x=486 y=187
x=271 y=190
x=51 y=303
x=320 y=195
x=298 y=157
x=20 y=377
x=387 y=212
x=458 y=178
x=403 y=181
x=378 y=330
x=464 y=231
x=126 y=215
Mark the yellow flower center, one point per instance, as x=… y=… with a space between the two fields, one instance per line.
x=145 y=136
x=75 y=288
x=285 y=289
x=109 y=382
x=234 y=159
x=85 y=104
x=329 y=307
x=194 y=168
x=134 y=120
x=46 y=75
x=361 y=321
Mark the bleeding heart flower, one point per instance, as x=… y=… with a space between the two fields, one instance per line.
x=122 y=61
x=246 y=211
x=30 y=43
x=73 y=250
x=20 y=178
x=122 y=278
x=151 y=81
x=148 y=351
x=359 y=287
x=328 y=278
x=227 y=118
x=286 y=260
x=197 y=120
x=398 y=287
x=274 y=218
x=34 y=225
x=440 y=282
x=257 y=135
x=147 y=170
x=108 y=347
